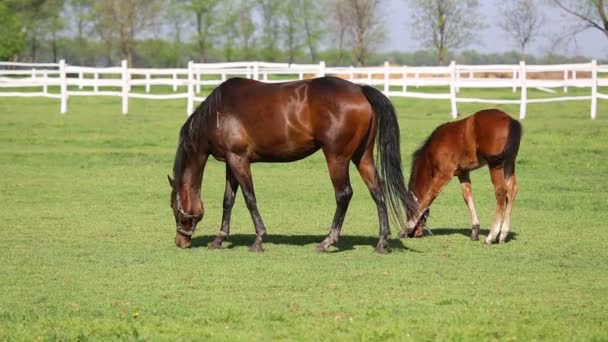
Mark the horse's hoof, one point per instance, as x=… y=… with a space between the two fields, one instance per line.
x=487 y=242
x=382 y=249
x=321 y=249
x=256 y=248
x=474 y=238
x=402 y=234
x=214 y=245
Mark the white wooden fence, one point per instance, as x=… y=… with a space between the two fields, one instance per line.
x=394 y=80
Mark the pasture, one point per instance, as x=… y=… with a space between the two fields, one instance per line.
x=87 y=251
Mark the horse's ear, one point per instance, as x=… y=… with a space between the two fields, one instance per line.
x=170 y=181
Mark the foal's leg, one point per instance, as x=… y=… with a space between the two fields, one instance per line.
x=439 y=181
x=512 y=189
x=241 y=168
x=338 y=172
x=500 y=191
x=232 y=186
x=369 y=173
x=467 y=194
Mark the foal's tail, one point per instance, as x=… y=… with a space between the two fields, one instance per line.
x=388 y=156
x=512 y=147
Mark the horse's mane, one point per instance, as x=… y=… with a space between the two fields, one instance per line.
x=189 y=135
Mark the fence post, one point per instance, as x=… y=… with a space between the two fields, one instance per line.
x=256 y=70
x=524 y=90
x=453 y=89
x=63 y=86
x=321 y=69
x=147 y=82
x=125 y=87
x=190 y=106
x=80 y=78
x=198 y=79
x=565 y=80
x=593 y=89
x=387 y=77
x=95 y=78
x=174 y=82
x=456 y=77
x=45 y=88
x=351 y=73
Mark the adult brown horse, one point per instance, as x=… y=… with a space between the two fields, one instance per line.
x=489 y=137
x=245 y=121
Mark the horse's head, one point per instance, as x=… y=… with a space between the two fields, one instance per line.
x=188 y=211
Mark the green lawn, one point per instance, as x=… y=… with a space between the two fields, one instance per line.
x=87 y=251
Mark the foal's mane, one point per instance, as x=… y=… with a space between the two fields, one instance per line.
x=420 y=152
x=190 y=133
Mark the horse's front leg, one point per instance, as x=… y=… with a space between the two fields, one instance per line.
x=241 y=168
x=467 y=195
x=338 y=171
x=232 y=186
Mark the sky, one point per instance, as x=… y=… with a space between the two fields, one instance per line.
x=591 y=43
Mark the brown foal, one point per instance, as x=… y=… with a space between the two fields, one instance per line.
x=489 y=137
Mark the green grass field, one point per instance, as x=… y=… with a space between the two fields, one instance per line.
x=87 y=251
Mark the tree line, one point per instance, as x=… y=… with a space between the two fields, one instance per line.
x=167 y=33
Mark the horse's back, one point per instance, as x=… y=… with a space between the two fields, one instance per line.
x=290 y=120
x=491 y=131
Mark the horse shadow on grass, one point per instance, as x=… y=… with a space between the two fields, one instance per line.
x=467 y=232
x=347 y=242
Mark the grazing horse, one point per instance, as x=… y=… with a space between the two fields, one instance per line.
x=244 y=121
x=454 y=149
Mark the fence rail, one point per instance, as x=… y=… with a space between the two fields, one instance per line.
x=395 y=81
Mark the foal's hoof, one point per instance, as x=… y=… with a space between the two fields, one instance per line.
x=403 y=234
x=321 y=249
x=256 y=248
x=215 y=245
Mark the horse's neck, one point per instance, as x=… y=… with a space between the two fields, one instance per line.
x=420 y=178
x=192 y=177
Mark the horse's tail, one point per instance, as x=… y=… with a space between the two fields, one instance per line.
x=388 y=156
x=512 y=147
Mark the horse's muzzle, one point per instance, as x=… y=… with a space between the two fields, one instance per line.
x=182 y=241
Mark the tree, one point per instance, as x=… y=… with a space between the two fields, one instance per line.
x=366 y=29
x=32 y=16
x=12 y=41
x=118 y=22
x=521 y=21
x=313 y=27
x=205 y=14
x=445 y=24
x=271 y=28
x=293 y=29
x=588 y=13
x=246 y=29
x=53 y=23
x=81 y=15
x=341 y=23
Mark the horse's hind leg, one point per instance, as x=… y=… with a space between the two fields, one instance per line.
x=512 y=189
x=338 y=172
x=241 y=169
x=467 y=194
x=370 y=176
x=500 y=192
x=232 y=186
